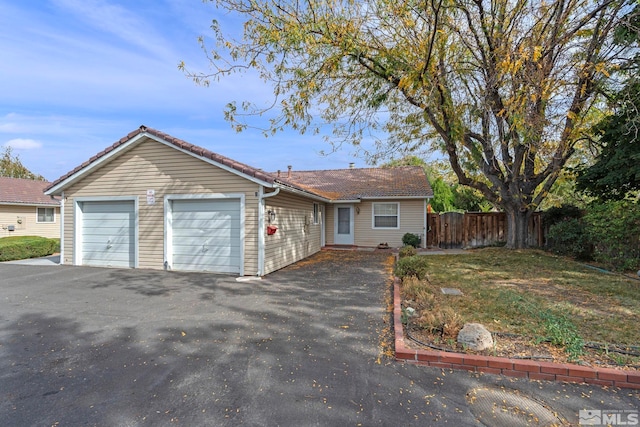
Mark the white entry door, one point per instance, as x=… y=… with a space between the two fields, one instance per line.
x=206 y=235
x=343 y=225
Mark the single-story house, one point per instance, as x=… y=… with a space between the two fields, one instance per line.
x=154 y=201
x=26 y=211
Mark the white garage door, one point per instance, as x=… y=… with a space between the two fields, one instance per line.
x=206 y=235
x=108 y=233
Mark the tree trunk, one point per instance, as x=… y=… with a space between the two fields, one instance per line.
x=517 y=227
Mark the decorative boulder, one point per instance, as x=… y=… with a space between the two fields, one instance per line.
x=475 y=337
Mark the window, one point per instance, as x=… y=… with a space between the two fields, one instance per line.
x=46 y=215
x=316 y=213
x=386 y=215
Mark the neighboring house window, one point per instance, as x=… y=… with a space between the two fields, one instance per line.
x=46 y=215
x=316 y=213
x=386 y=215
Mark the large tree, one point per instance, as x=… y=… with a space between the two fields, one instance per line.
x=503 y=87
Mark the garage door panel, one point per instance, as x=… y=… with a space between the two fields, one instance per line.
x=105 y=232
x=204 y=205
x=114 y=252
x=203 y=235
x=107 y=244
x=215 y=251
x=204 y=223
x=107 y=207
x=205 y=263
x=223 y=213
x=91 y=226
x=206 y=235
x=101 y=216
x=99 y=260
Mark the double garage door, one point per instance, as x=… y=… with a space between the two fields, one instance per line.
x=202 y=234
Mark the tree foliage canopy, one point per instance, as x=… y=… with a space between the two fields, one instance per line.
x=616 y=171
x=504 y=87
x=12 y=167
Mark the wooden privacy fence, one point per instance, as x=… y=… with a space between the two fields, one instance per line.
x=451 y=230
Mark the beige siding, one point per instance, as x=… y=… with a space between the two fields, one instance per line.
x=412 y=218
x=25 y=220
x=151 y=165
x=328 y=224
x=297 y=236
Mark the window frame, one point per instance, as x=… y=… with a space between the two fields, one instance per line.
x=316 y=213
x=373 y=215
x=53 y=215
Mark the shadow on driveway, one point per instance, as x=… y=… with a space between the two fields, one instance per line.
x=88 y=346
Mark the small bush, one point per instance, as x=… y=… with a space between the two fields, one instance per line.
x=569 y=237
x=417 y=292
x=614 y=228
x=446 y=322
x=23 y=247
x=558 y=214
x=412 y=266
x=410 y=239
x=406 y=251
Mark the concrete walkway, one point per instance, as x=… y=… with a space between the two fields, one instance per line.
x=49 y=260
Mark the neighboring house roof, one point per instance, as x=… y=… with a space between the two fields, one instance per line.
x=17 y=191
x=331 y=185
x=362 y=183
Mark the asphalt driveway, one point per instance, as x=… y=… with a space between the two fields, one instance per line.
x=108 y=347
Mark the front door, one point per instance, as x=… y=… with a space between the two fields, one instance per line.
x=343 y=225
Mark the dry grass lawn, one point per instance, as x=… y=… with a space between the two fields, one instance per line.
x=549 y=302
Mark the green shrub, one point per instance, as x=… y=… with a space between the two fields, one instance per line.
x=410 y=239
x=614 y=228
x=412 y=266
x=406 y=251
x=569 y=237
x=23 y=247
x=557 y=214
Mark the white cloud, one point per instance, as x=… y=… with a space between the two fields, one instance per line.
x=23 y=144
x=119 y=22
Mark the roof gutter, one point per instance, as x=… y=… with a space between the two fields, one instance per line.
x=304 y=193
x=397 y=198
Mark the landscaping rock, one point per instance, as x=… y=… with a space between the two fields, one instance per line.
x=475 y=337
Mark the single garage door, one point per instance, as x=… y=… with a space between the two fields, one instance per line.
x=206 y=235
x=108 y=233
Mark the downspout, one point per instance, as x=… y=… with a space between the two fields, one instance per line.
x=62 y=229
x=261 y=242
x=425 y=225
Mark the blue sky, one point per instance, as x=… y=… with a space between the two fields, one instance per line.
x=77 y=75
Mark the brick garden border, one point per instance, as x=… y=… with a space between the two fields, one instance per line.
x=504 y=366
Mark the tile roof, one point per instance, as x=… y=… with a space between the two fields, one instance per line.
x=338 y=184
x=240 y=167
x=24 y=191
x=361 y=183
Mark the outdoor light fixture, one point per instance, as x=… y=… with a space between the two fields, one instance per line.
x=272 y=216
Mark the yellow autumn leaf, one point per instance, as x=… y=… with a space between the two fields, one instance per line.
x=537 y=53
